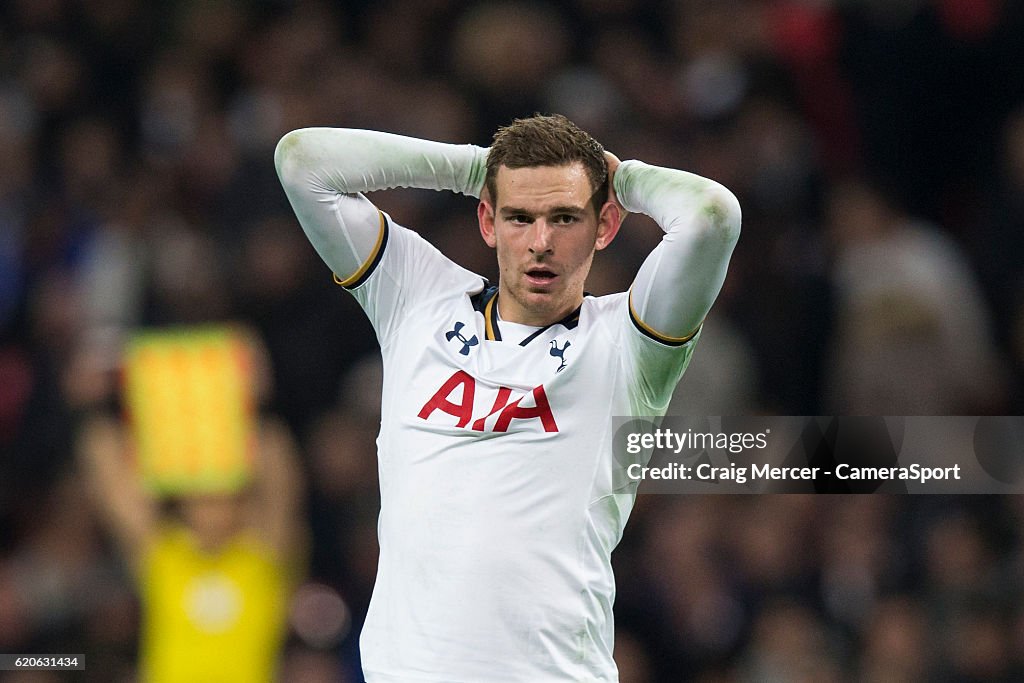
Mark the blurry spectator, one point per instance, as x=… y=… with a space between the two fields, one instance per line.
x=897 y=647
x=912 y=333
x=790 y=644
x=859 y=562
x=998 y=241
x=980 y=647
x=504 y=51
x=722 y=378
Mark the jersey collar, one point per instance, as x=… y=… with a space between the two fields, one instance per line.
x=486 y=302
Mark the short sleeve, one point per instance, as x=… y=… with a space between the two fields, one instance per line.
x=404 y=272
x=655 y=364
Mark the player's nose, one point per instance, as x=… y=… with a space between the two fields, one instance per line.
x=541 y=237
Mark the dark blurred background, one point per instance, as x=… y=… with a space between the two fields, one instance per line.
x=877 y=149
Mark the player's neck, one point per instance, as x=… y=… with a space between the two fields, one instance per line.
x=513 y=311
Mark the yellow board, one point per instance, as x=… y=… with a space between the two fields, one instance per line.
x=190 y=402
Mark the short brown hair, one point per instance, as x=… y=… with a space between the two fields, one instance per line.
x=551 y=140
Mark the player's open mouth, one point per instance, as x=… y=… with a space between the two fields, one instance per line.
x=540 y=276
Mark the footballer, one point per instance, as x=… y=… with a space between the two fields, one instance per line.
x=500 y=500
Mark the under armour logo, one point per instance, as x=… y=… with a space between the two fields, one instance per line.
x=457 y=334
x=559 y=353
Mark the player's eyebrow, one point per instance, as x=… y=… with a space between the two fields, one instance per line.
x=571 y=210
x=507 y=211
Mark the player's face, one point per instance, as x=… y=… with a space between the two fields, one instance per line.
x=545 y=230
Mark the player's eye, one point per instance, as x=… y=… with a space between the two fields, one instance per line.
x=565 y=219
x=520 y=219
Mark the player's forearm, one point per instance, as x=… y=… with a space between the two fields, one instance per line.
x=681 y=278
x=323 y=170
x=349 y=160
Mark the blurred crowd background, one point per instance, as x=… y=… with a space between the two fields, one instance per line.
x=877 y=149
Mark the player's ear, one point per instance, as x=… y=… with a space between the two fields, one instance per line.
x=485 y=217
x=608 y=223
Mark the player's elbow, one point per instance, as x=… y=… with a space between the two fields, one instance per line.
x=723 y=213
x=288 y=155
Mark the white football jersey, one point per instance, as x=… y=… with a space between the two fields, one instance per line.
x=498 y=508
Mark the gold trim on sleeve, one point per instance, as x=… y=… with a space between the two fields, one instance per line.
x=651 y=332
x=352 y=279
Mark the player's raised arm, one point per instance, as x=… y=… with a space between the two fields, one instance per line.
x=324 y=170
x=682 y=276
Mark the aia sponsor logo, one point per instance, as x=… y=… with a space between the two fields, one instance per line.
x=457 y=397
